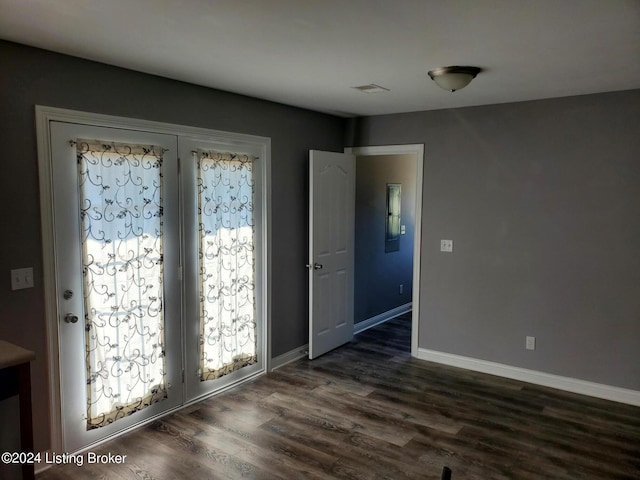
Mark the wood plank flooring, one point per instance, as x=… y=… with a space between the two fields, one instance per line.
x=369 y=411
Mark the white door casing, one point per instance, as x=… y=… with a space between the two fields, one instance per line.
x=331 y=250
x=418 y=151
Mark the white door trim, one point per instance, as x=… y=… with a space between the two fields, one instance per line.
x=44 y=115
x=418 y=151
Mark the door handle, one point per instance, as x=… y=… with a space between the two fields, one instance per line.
x=71 y=318
x=316 y=266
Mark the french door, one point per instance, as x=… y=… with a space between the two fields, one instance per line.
x=159 y=245
x=224 y=278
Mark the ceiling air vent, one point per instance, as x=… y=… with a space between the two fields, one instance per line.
x=371 y=88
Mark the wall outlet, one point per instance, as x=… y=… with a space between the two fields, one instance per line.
x=21 y=278
x=446 y=245
x=530 y=343
x=401 y=289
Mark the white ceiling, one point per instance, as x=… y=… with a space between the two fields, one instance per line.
x=309 y=53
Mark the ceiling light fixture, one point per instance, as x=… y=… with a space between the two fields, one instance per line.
x=453 y=78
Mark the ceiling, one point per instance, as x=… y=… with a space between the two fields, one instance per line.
x=310 y=53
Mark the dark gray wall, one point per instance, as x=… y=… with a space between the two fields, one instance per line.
x=378 y=275
x=542 y=201
x=30 y=76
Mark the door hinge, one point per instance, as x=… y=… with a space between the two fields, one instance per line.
x=183 y=375
x=180 y=273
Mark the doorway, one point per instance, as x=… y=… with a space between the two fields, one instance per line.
x=416 y=154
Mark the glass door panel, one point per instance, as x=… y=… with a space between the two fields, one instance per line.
x=119 y=317
x=223 y=210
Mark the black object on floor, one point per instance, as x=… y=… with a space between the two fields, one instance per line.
x=446 y=473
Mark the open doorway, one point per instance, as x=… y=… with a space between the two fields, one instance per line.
x=387 y=282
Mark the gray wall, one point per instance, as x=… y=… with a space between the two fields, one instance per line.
x=30 y=76
x=542 y=201
x=379 y=274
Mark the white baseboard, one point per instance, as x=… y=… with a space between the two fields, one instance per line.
x=38 y=468
x=291 y=356
x=598 y=390
x=381 y=318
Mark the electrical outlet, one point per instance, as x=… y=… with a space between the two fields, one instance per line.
x=401 y=289
x=530 y=343
x=21 y=278
x=446 y=245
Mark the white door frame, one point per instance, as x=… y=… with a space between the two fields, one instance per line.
x=44 y=115
x=418 y=151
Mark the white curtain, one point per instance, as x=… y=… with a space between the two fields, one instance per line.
x=227 y=265
x=122 y=258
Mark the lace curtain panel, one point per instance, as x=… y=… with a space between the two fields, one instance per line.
x=227 y=296
x=122 y=259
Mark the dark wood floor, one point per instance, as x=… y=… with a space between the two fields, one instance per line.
x=369 y=411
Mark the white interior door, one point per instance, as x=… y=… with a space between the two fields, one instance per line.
x=116 y=217
x=331 y=250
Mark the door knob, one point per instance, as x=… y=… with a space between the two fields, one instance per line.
x=71 y=318
x=316 y=266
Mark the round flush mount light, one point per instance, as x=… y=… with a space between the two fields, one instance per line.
x=453 y=78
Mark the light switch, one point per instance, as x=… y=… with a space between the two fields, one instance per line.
x=21 y=278
x=446 y=245
x=530 y=343
x=403 y=230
